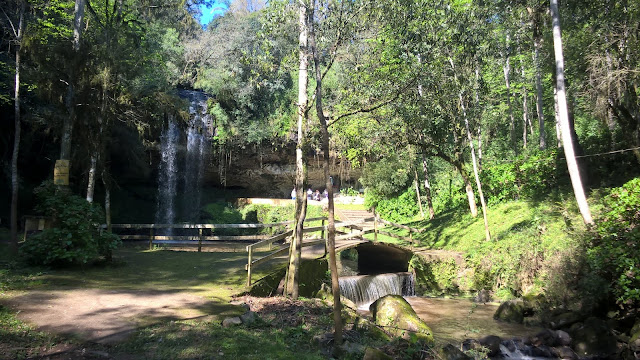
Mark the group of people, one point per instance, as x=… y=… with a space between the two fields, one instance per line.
x=312 y=195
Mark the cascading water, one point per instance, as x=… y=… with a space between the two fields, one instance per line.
x=184 y=157
x=365 y=289
x=168 y=174
x=196 y=154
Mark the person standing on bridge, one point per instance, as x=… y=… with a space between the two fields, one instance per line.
x=293 y=193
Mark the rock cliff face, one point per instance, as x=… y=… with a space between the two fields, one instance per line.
x=271 y=172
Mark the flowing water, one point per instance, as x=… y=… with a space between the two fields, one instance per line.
x=451 y=320
x=365 y=289
x=184 y=157
x=168 y=174
x=454 y=320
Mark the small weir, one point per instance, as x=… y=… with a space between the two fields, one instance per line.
x=365 y=289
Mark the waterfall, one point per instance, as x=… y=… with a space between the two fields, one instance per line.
x=182 y=166
x=168 y=174
x=196 y=155
x=365 y=289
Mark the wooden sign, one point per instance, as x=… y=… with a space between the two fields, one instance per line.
x=61 y=172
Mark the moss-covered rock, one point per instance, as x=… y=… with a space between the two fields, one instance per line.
x=450 y=352
x=398 y=318
x=375 y=354
x=511 y=311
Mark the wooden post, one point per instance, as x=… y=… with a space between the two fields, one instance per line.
x=375 y=226
x=151 y=238
x=322 y=232
x=200 y=240
x=411 y=238
x=249 y=265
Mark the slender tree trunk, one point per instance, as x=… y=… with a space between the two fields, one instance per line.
x=16 y=136
x=92 y=176
x=512 y=122
x=572 y=164
x=67 y=124
x=107 y=198
x=295 y=254
x=525 y=107
x=471 y=197
x=331 y=231
x=539 y=101
x=556 y=109
x=417 y=185
x=475 y=169
x=427 y=187
x=480 y=148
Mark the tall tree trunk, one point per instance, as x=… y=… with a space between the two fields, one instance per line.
x=471 y=197
x=16 y=136
x=92 y=176
x=556 y=109
x=417 y=185
x=537 y=44
x=107 y=198
x=475 y=169
x=572 y=164
x=331 y=231
x=295 y=253
x=512 y=122
x=67 y=123
x=525 y=114
x=427 y=187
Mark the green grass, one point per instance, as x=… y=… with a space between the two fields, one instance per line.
x=195 y=340
x=530 y=243
x=350 y=206
x=19 y=340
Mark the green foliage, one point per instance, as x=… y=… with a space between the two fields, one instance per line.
x=268 y=214
x=387 y=177
x=614 y=253
x=529 y=176
x=397 y=209
x=75 y=238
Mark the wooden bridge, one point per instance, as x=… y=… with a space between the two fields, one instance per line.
x=350 y=233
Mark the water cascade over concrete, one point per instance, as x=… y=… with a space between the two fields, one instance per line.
x=365 y=289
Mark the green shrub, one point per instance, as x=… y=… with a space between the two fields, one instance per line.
x=527 y=176
x=75 y=237
x=268 y=214
x=614 y=253
x=398 y=209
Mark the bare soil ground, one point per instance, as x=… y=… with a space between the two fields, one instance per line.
x=104 y=316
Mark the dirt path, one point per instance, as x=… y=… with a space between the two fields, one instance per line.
x=105 y=316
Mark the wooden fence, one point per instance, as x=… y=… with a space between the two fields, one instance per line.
x=199 y=239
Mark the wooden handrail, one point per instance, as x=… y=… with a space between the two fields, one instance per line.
x=205 y=226
x=399 y=225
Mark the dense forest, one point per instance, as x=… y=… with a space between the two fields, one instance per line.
x=444 y=106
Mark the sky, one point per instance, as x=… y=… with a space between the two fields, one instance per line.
x=217 y=8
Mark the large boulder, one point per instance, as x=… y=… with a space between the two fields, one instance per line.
x=397 y=317
x=450 y=352
x=593 y=337
x=375 y=354
x=511 y=311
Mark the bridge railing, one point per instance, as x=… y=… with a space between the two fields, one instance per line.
x=199 y=238
x=411 y=230
x=307 y=241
